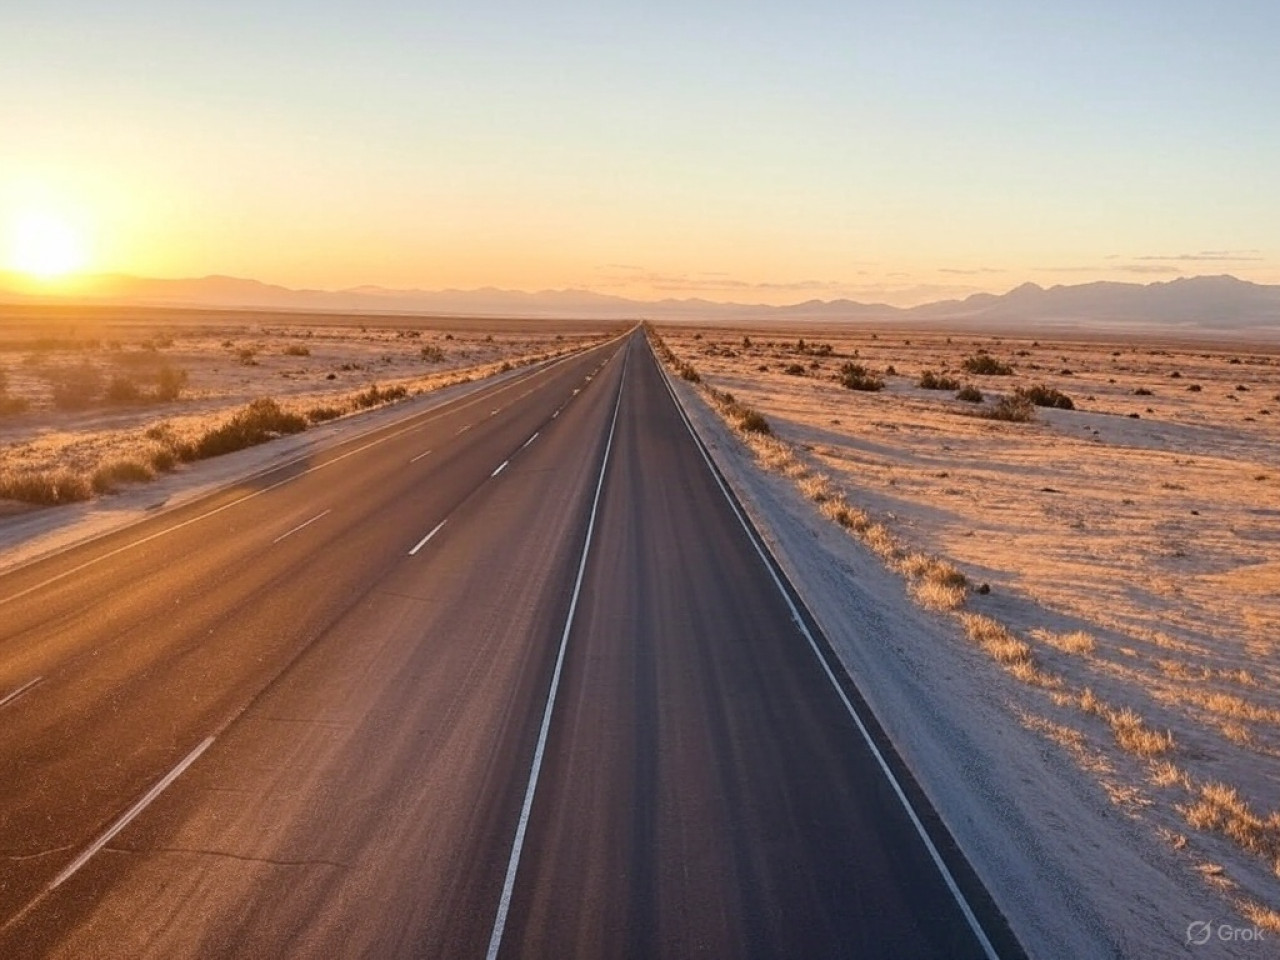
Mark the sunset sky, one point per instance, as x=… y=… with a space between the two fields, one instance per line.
x=769 y=152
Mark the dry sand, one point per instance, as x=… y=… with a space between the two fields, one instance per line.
x=226 y=359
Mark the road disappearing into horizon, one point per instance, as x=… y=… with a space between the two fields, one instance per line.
x=510 y=677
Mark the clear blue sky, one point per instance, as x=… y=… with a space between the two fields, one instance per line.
x=777 y=153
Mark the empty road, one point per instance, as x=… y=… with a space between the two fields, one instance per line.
x=507 y=678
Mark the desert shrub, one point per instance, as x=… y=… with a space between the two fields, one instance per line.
x=431 y=353
x=46 y=489
x=1142 y=392
x=10 y=405
x=247 y=356
x=969 y=394
x=984 y=364
x=753 y=421
x=794 y=369
x=1013 y=408
x=75 y=388
x=170 y=382
x=321 y=414
x=297 y=350
x=854 y=376
x=1194 y=388
x=261 y=420
x=163 y=460
x=1043 y=396
x=122 y=390
x=375 y=396
x=935 y=381
x=506 y=365
x=109 y=476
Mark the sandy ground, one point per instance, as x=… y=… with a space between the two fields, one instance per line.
x=1137 y=560
x=225 y=360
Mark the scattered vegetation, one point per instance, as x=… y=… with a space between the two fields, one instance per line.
x=431 y=353
x=937 y=381
x=854 y=376
x=1042 y=396
x=297 y=350
x=969 y=394
x=984 y=364
x=44 y=488
x=1012 y=408
x=260 y=421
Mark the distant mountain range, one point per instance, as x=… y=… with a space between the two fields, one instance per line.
x=1222 y=303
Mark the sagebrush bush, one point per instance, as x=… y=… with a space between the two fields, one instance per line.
x=854 y=376
x=1013 y=408
x=1043 y=396
x=260 y=421
x=936 y=381
x=969 y=394
x=46 y=489
x=296 y=350
x=984 y=364
x=75 y=388
x=109 y=476
x=376 y=396
x=431 y=353
x=321 y=414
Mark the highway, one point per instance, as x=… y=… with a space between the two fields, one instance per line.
x=506 y=678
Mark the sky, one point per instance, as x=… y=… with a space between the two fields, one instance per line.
x=764 y=152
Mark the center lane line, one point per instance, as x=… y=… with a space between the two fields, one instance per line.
x=502 y=466
x=423 y=542
x=420 y=456
x=517 y=847
x=131 y=813
x=20 y=691
x=305 y=523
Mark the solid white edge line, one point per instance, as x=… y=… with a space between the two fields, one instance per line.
x=132 y=812
x=420 y=456
x=415 y=420
x=300 y=526
x=517 y=847
x=950 y=881
x=20 y=691
x=423 y=542
x=502 y=466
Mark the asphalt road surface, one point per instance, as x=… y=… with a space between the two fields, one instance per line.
x=509 y=677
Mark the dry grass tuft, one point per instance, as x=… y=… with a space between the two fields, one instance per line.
x=1133 y=735
x=45 y=488
x=1259 y=915
x=1078 y=641
x=938 y=596
x=110 y=476
x=1221 y=809
x=995 y=638
x=1168 y=774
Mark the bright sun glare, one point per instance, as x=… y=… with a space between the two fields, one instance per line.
x=45 y=246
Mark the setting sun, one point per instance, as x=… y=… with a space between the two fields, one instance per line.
x=45 y=246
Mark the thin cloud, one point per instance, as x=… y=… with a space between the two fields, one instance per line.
x=1147 y=269
x=1208 y=256
x=972 y=272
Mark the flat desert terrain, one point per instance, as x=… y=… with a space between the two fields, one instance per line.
x=1119 y=560
x=93 y=399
